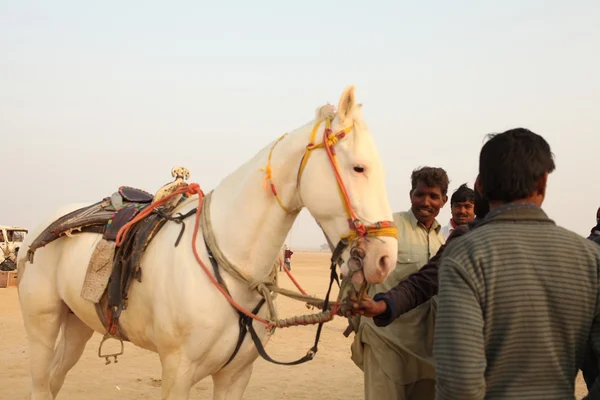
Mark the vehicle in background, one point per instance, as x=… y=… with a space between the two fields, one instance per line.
x=11 y=238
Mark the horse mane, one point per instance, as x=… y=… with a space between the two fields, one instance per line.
x=325 y=112
x=328 y=111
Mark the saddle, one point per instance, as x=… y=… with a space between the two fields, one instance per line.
x=123 y=205
x=107 y=217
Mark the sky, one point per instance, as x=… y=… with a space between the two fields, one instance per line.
x=95 y=95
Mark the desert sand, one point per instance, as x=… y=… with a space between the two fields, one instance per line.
x=331 y=375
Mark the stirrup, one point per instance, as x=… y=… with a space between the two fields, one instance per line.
x=114 y=355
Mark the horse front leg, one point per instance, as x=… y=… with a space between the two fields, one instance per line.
x=231 y=385
x=177 y=376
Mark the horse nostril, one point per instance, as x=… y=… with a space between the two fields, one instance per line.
x=384 y=263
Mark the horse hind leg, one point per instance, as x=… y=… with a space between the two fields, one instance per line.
x=42 y=316
x=75 y=335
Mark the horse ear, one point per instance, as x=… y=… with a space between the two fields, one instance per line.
x=347 y=103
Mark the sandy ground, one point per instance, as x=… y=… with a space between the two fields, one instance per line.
x=331 y=375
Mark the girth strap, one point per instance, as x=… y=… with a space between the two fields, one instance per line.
x=247 y=326
x=245 y=322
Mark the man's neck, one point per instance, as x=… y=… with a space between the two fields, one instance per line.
x=428 y=225
x=534 y=200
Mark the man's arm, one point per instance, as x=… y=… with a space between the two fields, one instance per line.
x=416 y=289
x=594 y=238
x=410 y=293
x=594 y=392
x=458 y=345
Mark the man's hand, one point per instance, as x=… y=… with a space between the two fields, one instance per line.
x=369 y=307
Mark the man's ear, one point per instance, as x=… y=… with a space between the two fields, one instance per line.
x=478 y=186
x=542 y=184
x=445 y=200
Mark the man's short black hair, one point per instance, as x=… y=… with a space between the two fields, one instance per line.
x=511 y=164
x=431 y=177
x=462 y=195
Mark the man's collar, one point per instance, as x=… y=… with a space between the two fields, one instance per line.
x=415 y=222
x=517 y=212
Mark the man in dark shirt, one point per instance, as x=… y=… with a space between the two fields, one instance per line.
x=418 y=287
x=595 y=233
x=589 y=370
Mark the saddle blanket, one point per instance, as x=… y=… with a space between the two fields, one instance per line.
x=98 y=272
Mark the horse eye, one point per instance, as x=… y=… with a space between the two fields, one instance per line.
x=359 y=168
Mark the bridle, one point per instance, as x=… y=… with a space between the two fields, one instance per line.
x=359 y=231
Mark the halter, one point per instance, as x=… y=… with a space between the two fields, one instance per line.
x=358 y=230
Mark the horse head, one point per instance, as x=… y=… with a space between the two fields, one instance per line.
x=343 y=187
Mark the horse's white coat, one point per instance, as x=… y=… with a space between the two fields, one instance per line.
x=175 y=310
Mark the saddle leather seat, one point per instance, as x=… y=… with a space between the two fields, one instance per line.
x=106 y=217
x=134 y=195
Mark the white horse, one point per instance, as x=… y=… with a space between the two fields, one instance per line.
x=176 y=311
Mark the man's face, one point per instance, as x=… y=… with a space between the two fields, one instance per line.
x=426 y=202
x=463 y=212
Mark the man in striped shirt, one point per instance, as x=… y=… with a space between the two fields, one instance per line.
x=518 y=296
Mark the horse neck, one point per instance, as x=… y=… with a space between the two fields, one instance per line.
x=250 y=226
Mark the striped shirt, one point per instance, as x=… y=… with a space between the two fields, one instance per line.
x=516 y=307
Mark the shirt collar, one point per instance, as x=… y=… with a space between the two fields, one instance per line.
x=517 y=212
x=452 y=224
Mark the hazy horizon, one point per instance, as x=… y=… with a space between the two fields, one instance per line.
x=95 y=96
